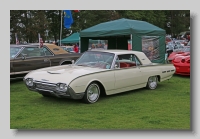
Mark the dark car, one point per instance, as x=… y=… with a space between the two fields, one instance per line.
x=25 y=58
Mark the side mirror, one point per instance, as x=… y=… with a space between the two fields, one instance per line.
x=116 y=66
x=73 y=61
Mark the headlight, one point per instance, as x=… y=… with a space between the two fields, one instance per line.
x=29 y=81
x=61 y=87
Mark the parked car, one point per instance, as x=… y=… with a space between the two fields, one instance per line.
x=182 y=64
x=168 y=39
x=179 y=52
x=97 y=72
x=183 y=35
x=25 y=58
x=174 y=46
x=178 y=46
x=69 y=49
x=169 y=48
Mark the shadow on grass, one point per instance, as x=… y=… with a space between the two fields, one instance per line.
x=52 y=99
x=182 y=76
x=14 y=81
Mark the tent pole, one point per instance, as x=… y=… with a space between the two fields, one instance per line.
x=79 y=45
x=61 y=26
x=116 y=42
x=131 y=42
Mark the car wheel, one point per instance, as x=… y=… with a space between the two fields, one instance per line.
x=92 y=93
x=152 y=82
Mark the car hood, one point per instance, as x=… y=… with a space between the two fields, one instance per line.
x=175 y=54
x=63 y=73
x=182 y=59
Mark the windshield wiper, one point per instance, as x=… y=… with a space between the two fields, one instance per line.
x=82 y=65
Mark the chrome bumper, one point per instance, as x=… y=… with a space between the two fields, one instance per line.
x=50 y=89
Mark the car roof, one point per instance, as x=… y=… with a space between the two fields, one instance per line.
x=117 y=51
x=54 y=48
x=68 y=46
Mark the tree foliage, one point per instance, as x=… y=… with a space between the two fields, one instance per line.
x=28 y=23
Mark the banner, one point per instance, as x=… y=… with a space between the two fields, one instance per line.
x=68 y=20
x=150 y=46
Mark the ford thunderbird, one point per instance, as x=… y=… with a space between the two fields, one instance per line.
x=99 y=72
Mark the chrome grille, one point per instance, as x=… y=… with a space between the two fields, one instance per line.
x=49 y=87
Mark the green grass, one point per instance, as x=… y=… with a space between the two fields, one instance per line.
x=166 y=108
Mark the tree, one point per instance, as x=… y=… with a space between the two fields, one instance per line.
x=28 y=23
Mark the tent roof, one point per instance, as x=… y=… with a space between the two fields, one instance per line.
x=121 y=27
x=74 y=38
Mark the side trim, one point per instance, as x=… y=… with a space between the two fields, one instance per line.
x=14 y=73
x=127 y=86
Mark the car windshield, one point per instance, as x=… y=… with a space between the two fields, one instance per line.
x=69 y=49
x=96 y=59
x=14 y=51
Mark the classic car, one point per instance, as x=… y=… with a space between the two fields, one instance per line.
x=28 y=57
x=182 y=64
x=99 y=72
x=69 y=49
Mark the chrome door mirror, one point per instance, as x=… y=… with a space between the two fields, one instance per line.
x=116 y=66
x=73 y=61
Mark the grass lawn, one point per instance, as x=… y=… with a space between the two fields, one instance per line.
x=166 y=108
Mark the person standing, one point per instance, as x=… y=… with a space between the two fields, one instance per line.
x=76 y=50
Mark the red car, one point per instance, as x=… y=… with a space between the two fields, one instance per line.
x=183 y=52
x=182 y=64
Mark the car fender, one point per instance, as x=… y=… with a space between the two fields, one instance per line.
x=65 y=60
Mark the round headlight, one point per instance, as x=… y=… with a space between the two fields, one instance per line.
x=29 y=82
x=61 y=87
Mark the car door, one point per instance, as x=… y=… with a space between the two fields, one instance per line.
x=128 y=74
x=30 y=58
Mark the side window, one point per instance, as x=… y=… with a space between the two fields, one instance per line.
x=31 y=52
x=46 y=51
x=127 y=60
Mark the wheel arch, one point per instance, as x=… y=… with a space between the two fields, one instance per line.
x=65 y=62
x=158 y=76
x=101 y=86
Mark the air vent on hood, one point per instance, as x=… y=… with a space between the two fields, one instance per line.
x=56 y=71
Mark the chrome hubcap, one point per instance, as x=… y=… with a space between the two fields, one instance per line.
x=93 y=92
x=153 y=81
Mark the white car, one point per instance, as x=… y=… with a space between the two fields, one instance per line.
x=97 y=72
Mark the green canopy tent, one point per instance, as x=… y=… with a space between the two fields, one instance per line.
x=143 y=36
x=74 y=38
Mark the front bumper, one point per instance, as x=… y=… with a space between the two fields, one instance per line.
x=50 y=89
x=182 y=69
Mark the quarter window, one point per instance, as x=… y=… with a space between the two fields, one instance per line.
x=127 y=61
x=31 y=52
x=46 y=51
